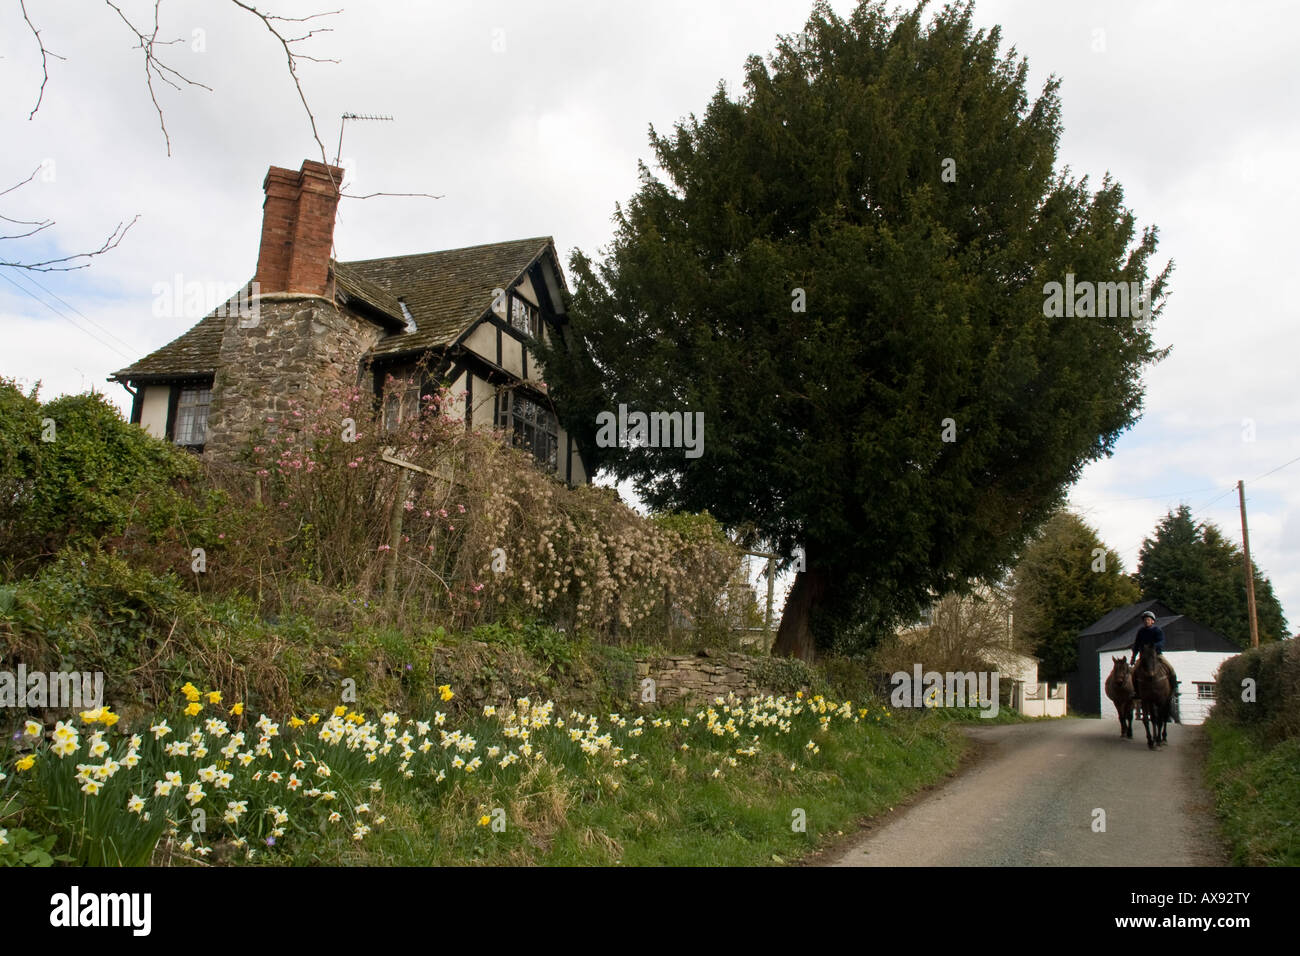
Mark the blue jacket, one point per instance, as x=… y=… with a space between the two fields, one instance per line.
x=1149 y=635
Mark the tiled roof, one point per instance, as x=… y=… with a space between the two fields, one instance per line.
x=446 y=291
x=193 y=353
x=352 y=286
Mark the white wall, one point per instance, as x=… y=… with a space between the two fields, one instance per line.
x=1191 y=666
x=153 y=411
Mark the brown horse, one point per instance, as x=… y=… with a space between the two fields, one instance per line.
x=1119 y=688
x=1155 y=688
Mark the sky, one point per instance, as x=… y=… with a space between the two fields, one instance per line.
x=529 y=119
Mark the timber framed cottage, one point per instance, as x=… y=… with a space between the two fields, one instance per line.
x=307 y=324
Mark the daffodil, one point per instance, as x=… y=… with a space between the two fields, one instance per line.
x=32 y=729
x=193 y=709
x=26 y=763
x=135 y=804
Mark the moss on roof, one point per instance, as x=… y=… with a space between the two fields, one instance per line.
x=445 y=292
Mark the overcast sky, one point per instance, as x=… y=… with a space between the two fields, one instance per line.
x=529 y=118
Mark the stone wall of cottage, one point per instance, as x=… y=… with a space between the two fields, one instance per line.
x=289 y=349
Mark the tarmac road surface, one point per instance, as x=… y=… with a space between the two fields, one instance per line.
x=1029 y=799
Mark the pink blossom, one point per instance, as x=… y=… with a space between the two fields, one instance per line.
x=461 y=508
x=384 y=547
x=477 y=588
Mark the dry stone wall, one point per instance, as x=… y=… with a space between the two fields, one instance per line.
x=700 y=677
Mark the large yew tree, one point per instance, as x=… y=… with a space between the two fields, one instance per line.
x=843 y=268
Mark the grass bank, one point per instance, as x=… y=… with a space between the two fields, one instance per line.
x=757 y=782
x=1256 y=788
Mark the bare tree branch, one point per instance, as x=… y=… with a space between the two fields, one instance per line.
x=64 y=263
x=45 y=55
x=153 y=66
x=156 y=68
x=292 y=57
x=373 y=195
x=20 y=185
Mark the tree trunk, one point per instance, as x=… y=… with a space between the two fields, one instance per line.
x=795 y=636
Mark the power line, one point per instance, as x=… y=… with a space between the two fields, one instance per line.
x=1278 y=468
x=31 y=295
x=106 y=331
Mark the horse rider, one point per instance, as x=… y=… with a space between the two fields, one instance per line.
x=1149 y=633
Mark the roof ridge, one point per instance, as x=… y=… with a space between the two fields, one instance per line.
x=438 y=252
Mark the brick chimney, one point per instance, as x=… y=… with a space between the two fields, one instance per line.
x=298 y=228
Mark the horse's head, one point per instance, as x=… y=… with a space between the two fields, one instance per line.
x=1148 y=660
x=1120 y=668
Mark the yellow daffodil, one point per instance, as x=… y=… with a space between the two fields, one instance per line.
x=237 y=710
x=484 y=820
x=26 y=763
x=193 y=708
x=445 y=692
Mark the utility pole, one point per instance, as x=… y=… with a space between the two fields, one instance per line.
x=1250 y=571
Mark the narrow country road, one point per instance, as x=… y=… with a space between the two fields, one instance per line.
x=1030 y=796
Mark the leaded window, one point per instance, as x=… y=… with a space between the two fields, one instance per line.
x=524 y=316
x=191 y=425
x=535 y=429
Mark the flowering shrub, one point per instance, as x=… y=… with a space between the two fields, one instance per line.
x=471 y=529
x=210 y=777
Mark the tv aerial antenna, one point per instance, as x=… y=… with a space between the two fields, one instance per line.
x=366 y=117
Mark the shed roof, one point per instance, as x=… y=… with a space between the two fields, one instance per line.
x=1181 y=634
x=1121 y=616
